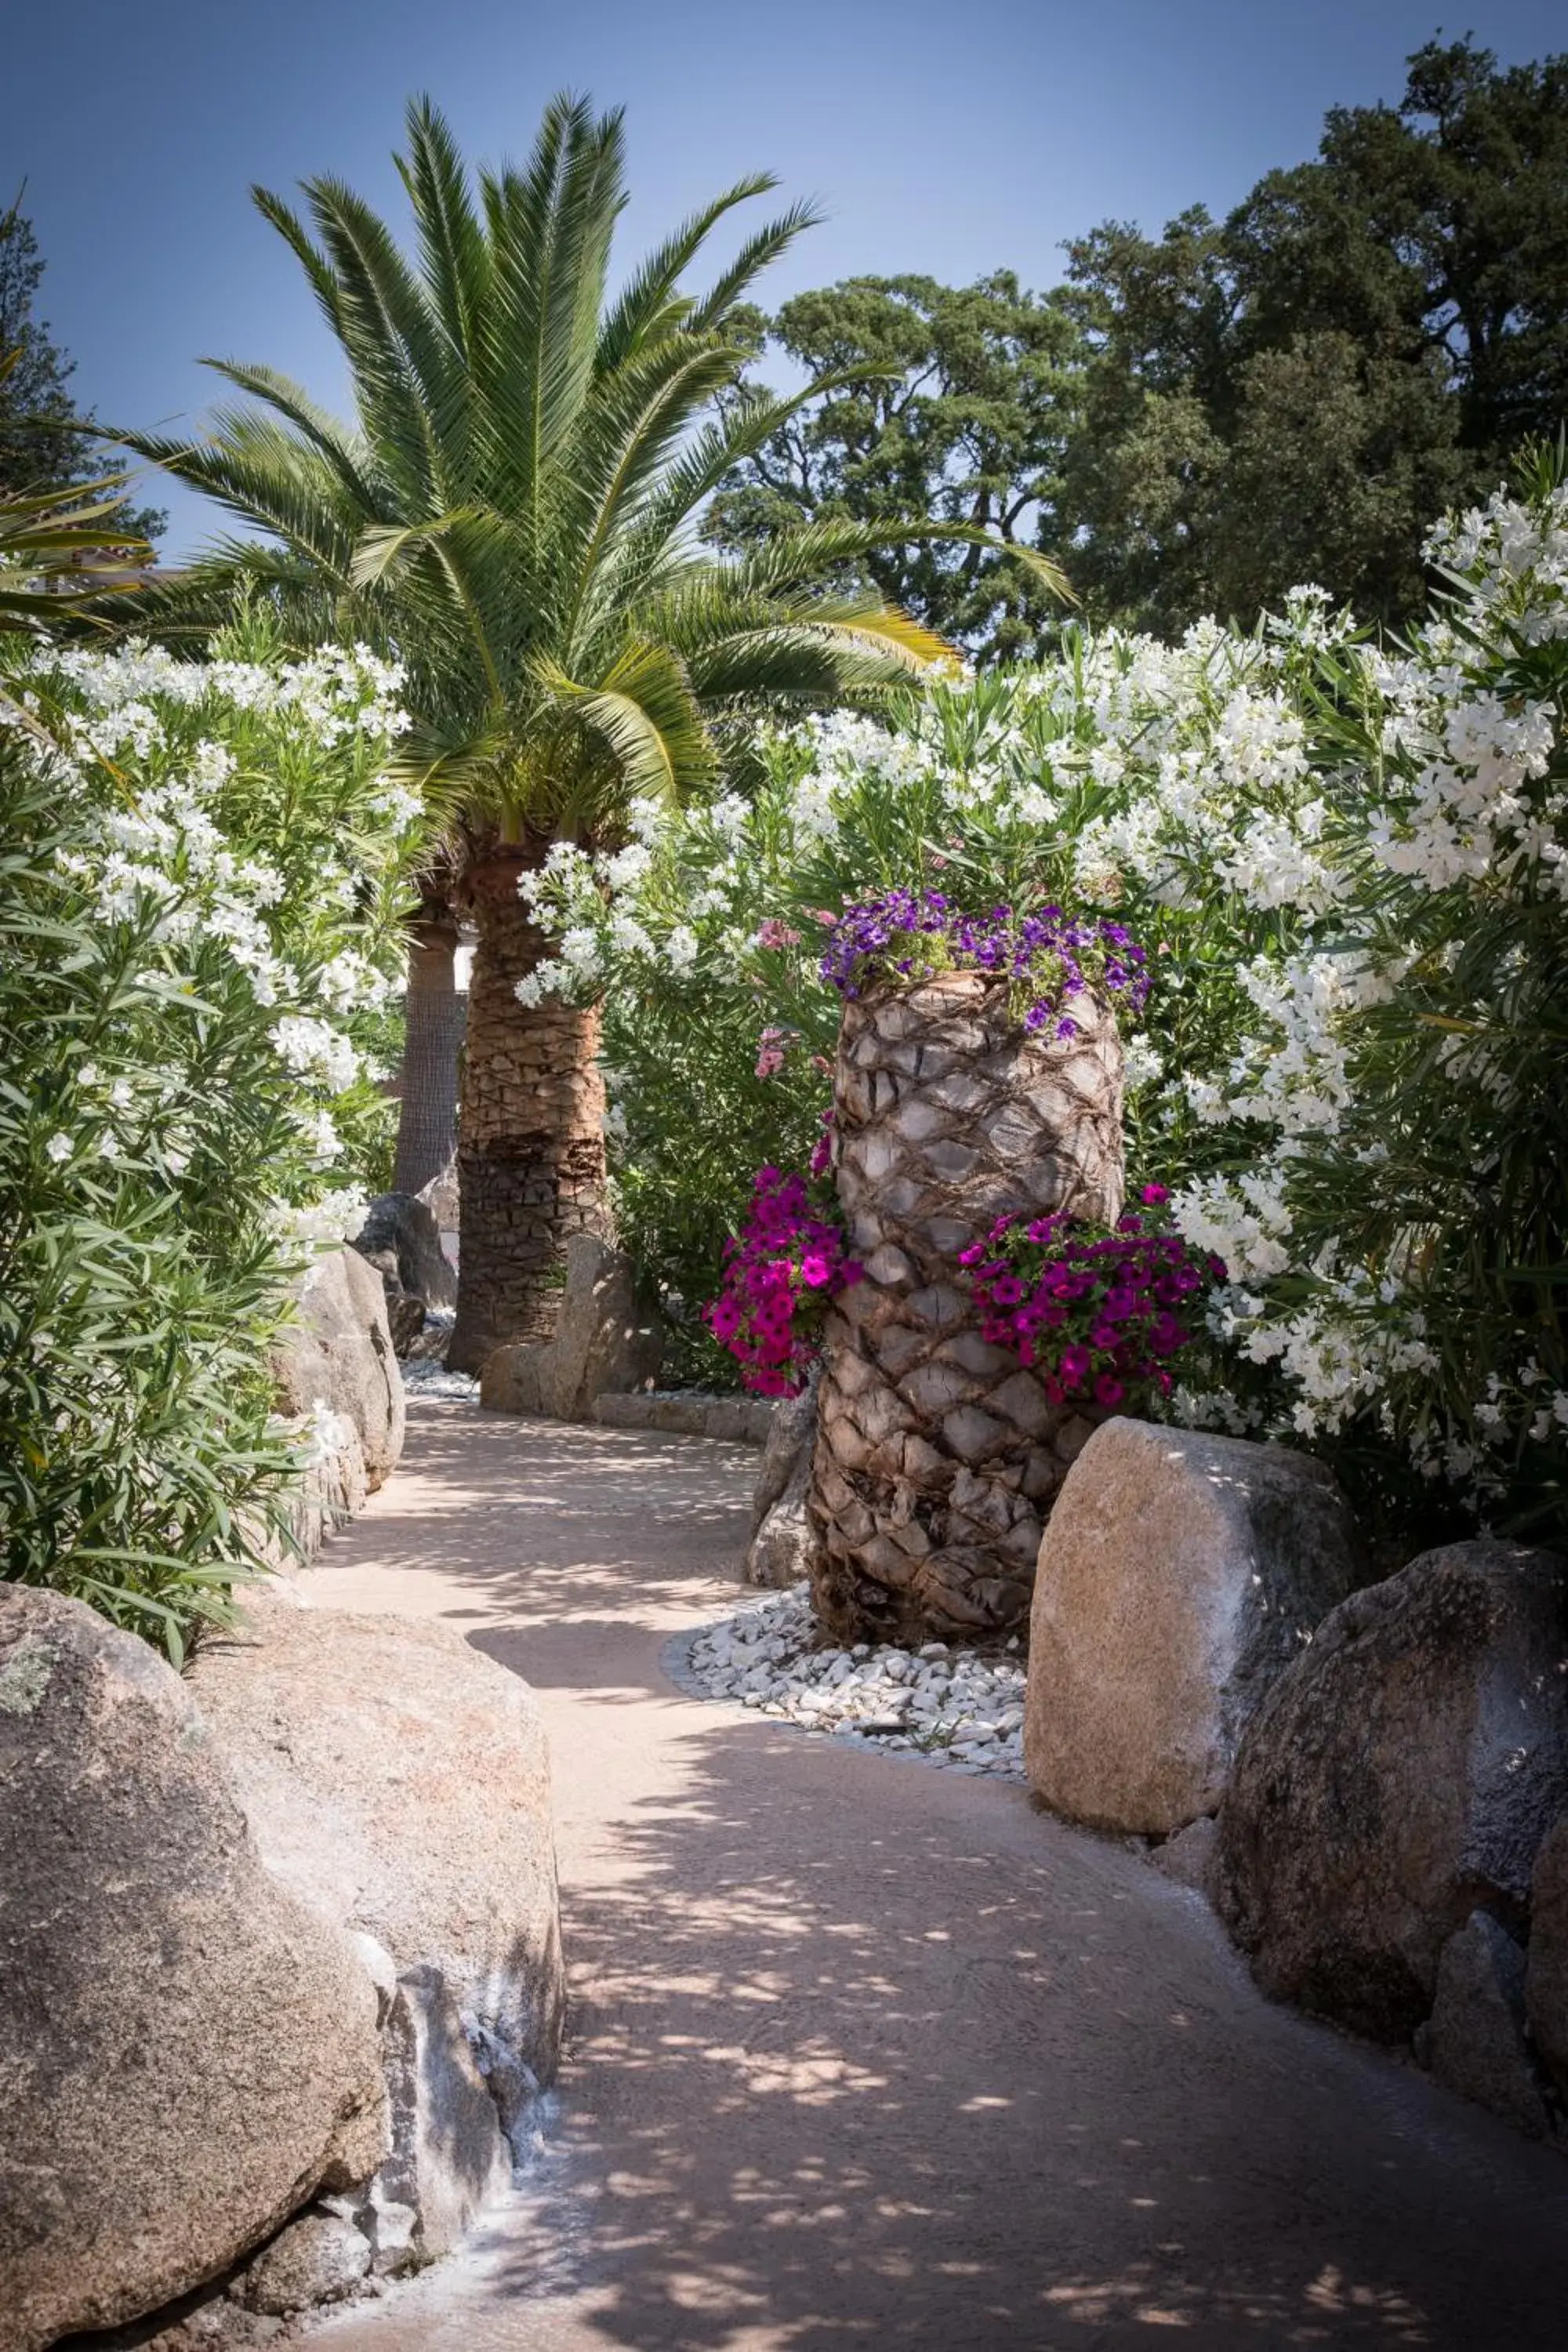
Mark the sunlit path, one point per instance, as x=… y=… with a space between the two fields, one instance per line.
x=864 y=2054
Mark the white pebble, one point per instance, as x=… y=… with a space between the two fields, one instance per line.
x=955 y=1707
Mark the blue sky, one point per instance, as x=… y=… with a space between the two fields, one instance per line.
x=950 y=138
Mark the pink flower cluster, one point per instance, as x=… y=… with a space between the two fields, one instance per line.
x=772 y=1047
x=778 y=1275
x=1098 y=1313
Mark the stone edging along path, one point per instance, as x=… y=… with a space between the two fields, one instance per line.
x=676 y=1413
x=681 y=1412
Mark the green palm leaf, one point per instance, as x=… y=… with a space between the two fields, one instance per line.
x=646 y=717
x=55 y=557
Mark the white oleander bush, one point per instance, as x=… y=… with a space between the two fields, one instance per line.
x=1347 y=863
x=201 y=878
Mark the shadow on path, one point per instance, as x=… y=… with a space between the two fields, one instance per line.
x=865 y=2053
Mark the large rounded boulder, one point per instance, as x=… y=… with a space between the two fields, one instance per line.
x=1547 y=1986
x=187 y=2054
x=401 y=1239
x=608 y=1343
x=1399 y=1776
x=398 y=1782
x=1179 y=1576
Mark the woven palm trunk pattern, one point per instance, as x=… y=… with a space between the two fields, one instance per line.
x=937 y=1455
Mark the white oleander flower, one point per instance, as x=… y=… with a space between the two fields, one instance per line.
x=314 y=1049
x=628 y=865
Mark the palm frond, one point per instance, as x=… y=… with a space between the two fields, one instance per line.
x=308 y=255
x=795 y=667
x=384 y=548
x=45 y=544
x=411 y=385
x=647 y=716
x=348 y=456
x=815 y=549
x=651 y=302
x=452 y=245
x=627 y=438
x=550 y=232
x=759 y=252
x=267 y=475
x=662 y=546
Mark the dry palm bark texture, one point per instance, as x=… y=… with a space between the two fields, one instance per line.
x=937 y=1455
x=531 y=1148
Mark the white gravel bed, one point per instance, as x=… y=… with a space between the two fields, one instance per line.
x=942 y=1702
x=426 y=1376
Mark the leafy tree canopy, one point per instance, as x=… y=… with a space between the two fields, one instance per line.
x=964 y=423
x=1298 y=390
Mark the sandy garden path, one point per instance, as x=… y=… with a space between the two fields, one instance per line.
x=865 y=2053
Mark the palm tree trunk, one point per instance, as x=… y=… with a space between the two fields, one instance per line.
x=531 y=1146
x=433 y=1039
x=937 y=1455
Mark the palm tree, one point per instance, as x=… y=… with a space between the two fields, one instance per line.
x=515 y=517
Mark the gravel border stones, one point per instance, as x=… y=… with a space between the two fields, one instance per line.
x=942 y=1702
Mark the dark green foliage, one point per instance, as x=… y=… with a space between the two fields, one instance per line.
x=1297 y=392
x=1203 y=477
x=133 y=1392
x=200 y=901
x=691 y=1123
